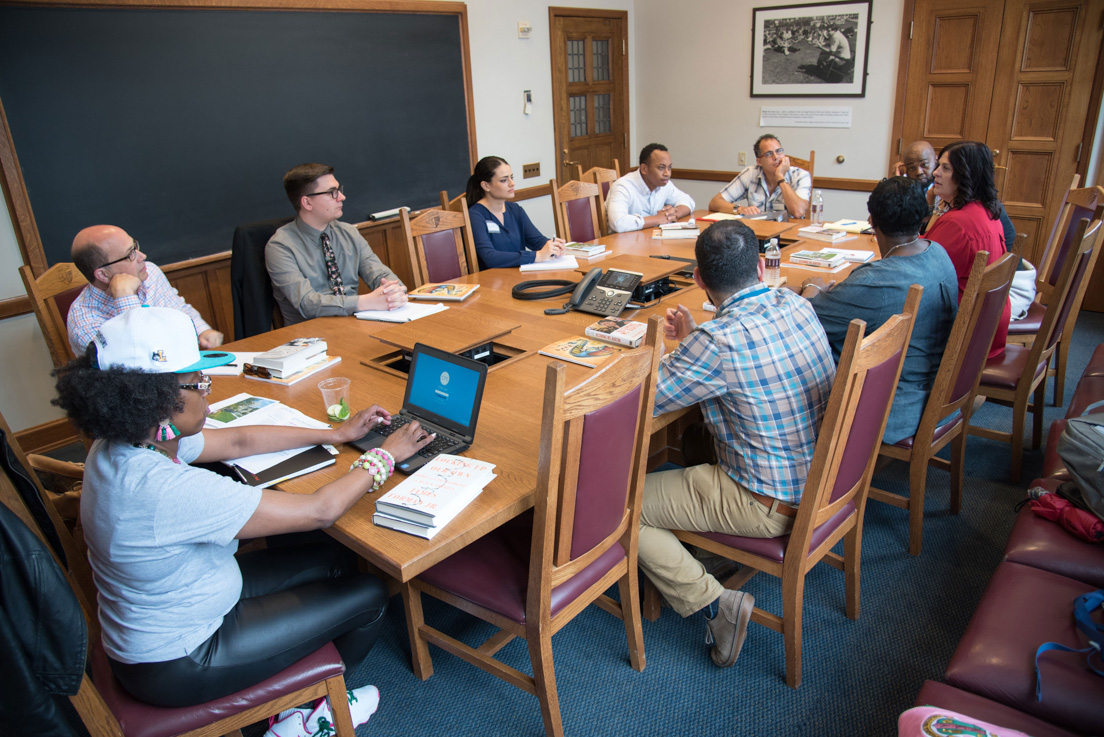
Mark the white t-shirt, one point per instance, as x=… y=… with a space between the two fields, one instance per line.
x=161 y=540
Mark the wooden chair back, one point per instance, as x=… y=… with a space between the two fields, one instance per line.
x=576 y=210
x=806 y=164
x=1081 y=204
x=440 y=244
x=593 y=456
x=51 y=295
x=979 y=312
x=455 y=203
x=1069 y=290
x=604 y=178
x=851 y=431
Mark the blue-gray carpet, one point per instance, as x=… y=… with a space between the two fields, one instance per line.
x=858 y=675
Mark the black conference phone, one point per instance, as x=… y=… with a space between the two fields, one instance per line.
x=604 y=293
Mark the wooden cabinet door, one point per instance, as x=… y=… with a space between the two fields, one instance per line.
x=951 y=66
x=1048 y=53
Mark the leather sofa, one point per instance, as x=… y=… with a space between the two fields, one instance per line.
x=1029 y=601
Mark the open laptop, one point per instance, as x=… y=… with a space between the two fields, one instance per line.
x=443 y=393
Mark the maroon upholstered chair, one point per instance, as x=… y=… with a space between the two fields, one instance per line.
x=576 y=208
x=109 y=711
x=603 y=178
x=440 y=243
x=1021 y=371
x=531 y=576
x=952 y=394
x=52 y=294
x=834 y=498
x=1022 y=608
x=1080 y=204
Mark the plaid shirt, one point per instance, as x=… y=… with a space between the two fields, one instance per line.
x=93 y=307
x=762 y=371
x=751 y=184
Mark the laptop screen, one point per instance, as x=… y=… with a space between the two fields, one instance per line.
x=443 y=388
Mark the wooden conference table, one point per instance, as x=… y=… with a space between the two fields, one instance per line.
x=508 y=433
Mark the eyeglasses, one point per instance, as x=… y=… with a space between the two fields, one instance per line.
x=334 y=192
x=203 y=385
x=130 y=255
x=773 y=154
x=260 y=371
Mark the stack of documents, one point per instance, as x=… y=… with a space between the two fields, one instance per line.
x=406 y=313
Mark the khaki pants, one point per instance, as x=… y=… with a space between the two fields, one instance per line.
x=700 y=498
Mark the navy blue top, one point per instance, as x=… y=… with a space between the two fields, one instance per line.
x=508 y=243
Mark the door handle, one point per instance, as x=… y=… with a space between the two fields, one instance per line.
x=566 y=162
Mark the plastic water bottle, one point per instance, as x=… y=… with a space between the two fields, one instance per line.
x=774 y=262
x=816 y=209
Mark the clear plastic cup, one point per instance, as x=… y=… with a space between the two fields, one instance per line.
x=335 y=398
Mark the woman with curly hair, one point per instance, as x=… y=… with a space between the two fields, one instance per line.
x=967 y=218
x=184 y=620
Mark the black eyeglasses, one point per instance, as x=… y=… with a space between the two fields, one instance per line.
x=130 y=255
x=334 y=192
x=203 y=385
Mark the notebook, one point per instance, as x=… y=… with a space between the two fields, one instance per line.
x=443 y=393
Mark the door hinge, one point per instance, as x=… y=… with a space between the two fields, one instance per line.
x=1077 y=158
x=898 y=146
x=910 y=30
x=624 y=48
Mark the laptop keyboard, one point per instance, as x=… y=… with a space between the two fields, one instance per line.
x=439 y=445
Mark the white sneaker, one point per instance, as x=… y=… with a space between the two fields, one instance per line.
x=318 y=722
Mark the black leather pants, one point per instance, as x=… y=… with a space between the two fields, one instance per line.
x=294 y=600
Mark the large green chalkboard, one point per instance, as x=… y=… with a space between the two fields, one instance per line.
x=177 y=125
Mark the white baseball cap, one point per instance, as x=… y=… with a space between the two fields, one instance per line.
x=158 y=340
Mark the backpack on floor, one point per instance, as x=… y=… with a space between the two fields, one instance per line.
x=1081 y=447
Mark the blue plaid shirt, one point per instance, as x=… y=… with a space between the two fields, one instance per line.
x=762 y=371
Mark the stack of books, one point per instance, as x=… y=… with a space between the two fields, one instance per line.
x=824 y=259
x=824 y=233
x=430 y=498
x=584 y=250
x=290 y=362
x=677 y=230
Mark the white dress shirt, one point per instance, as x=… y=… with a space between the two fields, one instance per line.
x=630 y=201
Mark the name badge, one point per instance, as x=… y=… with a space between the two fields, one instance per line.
x=493 y=227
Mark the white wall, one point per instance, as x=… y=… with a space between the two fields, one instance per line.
x=694 y=96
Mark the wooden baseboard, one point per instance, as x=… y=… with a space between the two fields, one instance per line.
x=47 y=436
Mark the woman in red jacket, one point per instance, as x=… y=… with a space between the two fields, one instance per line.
x=967 y=216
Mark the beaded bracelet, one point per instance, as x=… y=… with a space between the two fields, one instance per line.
x=374 y=466
x=385 y=457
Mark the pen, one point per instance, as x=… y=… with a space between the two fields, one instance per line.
x=661 y=255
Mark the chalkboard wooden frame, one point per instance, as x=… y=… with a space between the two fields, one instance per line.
x=11 y=177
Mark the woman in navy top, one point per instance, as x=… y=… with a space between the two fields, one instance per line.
x=504 y=235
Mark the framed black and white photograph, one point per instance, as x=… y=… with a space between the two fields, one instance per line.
x=817 y=50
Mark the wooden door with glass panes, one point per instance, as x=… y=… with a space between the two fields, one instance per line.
x=590 y=89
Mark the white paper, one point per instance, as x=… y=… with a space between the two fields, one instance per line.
x=251 y=410
x=406 y=313
x=553 y=264
x=805 y=117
